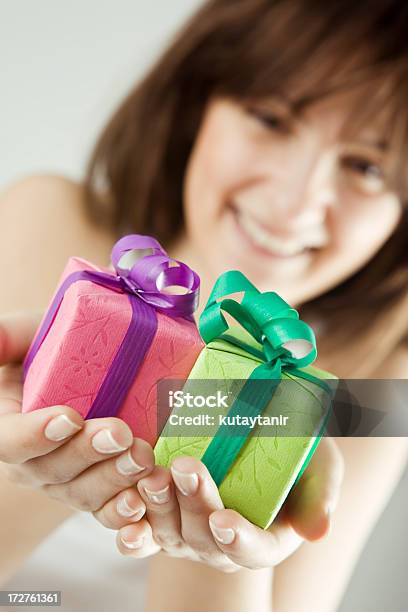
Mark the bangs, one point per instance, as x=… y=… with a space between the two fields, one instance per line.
x=308 y=51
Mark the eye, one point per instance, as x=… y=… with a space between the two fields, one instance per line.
x=270 y=120
x=365 y=174
x=364 y=167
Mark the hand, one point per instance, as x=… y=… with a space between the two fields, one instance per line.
x=185 y=516
x=80 y=463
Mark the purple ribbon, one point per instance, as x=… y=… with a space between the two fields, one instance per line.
x=144 y=281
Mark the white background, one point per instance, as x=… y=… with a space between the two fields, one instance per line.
x=64 y=65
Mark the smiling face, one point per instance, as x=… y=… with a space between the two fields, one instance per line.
x=293 y=202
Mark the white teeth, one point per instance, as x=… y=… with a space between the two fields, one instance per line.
x=313 y=237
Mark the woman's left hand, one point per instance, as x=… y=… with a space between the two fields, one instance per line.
x=185 y=516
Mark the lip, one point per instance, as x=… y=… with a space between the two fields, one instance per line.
x=266 y=252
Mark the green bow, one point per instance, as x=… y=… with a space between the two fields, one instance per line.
x=266 y=316
x=275 y=326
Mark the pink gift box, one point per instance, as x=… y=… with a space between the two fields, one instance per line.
x=75 y=357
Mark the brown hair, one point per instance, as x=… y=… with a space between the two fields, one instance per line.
x=248 y=49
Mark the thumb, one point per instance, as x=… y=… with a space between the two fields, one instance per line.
x=16 y=334
x=311 y=502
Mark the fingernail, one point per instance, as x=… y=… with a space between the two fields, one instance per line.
x=104 y=442
x=187 y=483
x=60 y=427
x=126 y=465
x=158 y=497
x=124 y=509
x=224 y=535
x=134 y=544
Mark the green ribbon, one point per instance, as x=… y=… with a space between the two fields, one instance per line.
x=275 y=326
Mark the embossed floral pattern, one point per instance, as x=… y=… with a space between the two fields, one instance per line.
x=72 y=363
x=266 y=467
x=86 y=361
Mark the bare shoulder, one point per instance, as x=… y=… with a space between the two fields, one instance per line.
x=43 y=221
x=33 y=184
x=393 y=451
x=41 y=195
x=51 y=207
x=396 y=366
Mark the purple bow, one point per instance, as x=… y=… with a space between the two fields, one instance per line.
x=151 y=273
x=138 y=274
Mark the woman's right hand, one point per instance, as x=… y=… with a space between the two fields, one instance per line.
x=80 y=463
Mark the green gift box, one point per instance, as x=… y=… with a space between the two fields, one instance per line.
x=263 y=365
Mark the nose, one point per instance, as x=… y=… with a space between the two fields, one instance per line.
x=311 y=190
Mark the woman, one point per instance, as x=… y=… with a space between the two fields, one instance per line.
x=270 y=137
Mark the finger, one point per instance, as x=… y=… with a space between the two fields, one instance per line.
x=91 y=489
x=198 y=497
x=11 y=389
x=98 y=440
x=313 y=499
x=162 y=511
x=34 y=434
x=16 y=334
x=137 y=540
x=249 y=546
x=124 y=508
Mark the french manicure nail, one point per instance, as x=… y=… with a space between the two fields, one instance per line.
x=224 y=535
x=104 y=442
x=60 y=427
x=126 y=465
x=134 y=544
x=124 y=509
x=158 y=497
x=187 y=483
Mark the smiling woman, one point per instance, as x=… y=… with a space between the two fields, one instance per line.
x=279 y=139
x=280 y=196
x=271 y=137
